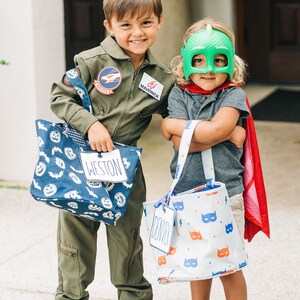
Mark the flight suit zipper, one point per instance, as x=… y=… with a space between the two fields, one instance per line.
x=130 y=96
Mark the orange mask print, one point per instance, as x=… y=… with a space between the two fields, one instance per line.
x=172 y=251
x=162 y=260
x=224 y=252
x=195 y=235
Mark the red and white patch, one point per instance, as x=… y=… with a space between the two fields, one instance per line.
x=108 y=80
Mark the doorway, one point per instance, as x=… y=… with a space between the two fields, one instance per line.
x=83 y=27
x=268 y=38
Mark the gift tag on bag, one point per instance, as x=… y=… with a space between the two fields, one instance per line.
x=104 y=166
x=162 y=228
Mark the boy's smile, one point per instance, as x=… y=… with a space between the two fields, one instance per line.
x=135 y=35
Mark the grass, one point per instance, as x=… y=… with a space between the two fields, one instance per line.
x=13 y=185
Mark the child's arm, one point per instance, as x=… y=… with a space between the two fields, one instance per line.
x=237 y=137
x=64 y=103
x=68 y=109
x=209 y=133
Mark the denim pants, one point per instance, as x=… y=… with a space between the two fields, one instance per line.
x=77 y=248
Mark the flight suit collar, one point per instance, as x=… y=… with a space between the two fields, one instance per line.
x=110 y=45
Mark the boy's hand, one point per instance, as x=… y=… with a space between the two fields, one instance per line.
x=238 y=136
x=99 y=138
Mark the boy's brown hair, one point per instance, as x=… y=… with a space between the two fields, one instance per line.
x=121 y=8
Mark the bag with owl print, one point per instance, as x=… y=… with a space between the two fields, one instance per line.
x=202 y=241
x=71 y=177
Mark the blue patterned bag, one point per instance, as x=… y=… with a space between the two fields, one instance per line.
x=59 y=179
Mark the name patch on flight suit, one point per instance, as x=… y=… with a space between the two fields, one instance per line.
x=108 y=80
x=151 y=86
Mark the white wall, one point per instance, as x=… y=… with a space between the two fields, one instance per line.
x=176 y=20
x=49 y=50
x=218 y=9
x=32 y=42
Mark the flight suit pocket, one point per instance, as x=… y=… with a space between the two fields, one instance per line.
x=69 y=269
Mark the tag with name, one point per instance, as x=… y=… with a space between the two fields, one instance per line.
x=104 y=166
x=162 y=228
x=151 y=86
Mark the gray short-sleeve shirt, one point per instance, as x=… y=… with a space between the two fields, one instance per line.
x=227 y=157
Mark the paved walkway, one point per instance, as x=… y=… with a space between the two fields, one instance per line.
x=28 y=229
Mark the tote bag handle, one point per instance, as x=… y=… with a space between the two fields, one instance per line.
x=76 y=81
x=207 y=160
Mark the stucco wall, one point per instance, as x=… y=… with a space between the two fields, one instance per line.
x=49 y=50
x=175 y=22
x=17 y=89
x=32 y=42
x=219 y=9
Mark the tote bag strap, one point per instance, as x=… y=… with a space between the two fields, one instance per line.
x=207 y=160
x=74 y=78
x=208 y=167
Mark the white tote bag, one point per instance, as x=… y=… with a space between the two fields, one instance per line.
x=204 y=242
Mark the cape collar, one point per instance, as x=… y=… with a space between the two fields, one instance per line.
x=195 y=89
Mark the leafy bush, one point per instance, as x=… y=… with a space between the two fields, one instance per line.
x=3 y=62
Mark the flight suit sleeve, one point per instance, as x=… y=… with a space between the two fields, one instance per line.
x=67 y=105
x=169 y=83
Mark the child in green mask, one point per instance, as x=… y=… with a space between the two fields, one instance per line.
x=208 y=75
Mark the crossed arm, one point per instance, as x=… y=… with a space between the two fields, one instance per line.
x=222 y=127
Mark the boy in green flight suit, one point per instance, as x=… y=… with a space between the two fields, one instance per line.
x=126 y=85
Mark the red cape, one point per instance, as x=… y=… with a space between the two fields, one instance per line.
x=255 y=199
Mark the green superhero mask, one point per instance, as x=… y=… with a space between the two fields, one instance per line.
x=208 y=42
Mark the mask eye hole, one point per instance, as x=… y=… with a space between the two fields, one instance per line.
x=220 y=61
x=199 y=61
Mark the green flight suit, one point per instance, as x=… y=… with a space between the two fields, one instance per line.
x=126 y=113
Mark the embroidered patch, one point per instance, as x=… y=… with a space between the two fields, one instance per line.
x=108 y=80
x=151 y=86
